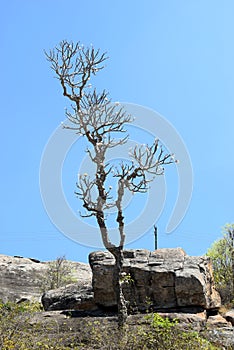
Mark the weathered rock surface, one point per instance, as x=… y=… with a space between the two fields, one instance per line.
x=163 y=279
x=219 y=331
x=76 y=296
x=21 y=278
x=219 y=321
x=229 y=316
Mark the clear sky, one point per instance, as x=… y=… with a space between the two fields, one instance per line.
x=175 y=57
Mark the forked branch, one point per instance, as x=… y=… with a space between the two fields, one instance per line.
x=74 y=64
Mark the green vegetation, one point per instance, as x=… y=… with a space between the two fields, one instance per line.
x=13 y=319
x=165 y=334
x=20 y=329
x=222 y=257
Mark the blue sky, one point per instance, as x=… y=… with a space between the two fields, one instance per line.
x=175 y=57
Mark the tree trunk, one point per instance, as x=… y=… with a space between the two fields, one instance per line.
x=117 y=284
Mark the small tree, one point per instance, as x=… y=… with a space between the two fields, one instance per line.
x=222 y=256
x=95 y=117
x=58 y=274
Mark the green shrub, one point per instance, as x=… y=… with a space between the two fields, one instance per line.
x=164 y=334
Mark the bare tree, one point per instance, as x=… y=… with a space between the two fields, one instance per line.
x=103 y=124
x=59 y=273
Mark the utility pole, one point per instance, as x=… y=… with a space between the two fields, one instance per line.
x=155 y=237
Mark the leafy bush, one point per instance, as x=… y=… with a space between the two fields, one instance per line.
x=163 y=334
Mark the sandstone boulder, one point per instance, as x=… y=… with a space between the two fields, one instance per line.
x=71 y=297
x=160 y=280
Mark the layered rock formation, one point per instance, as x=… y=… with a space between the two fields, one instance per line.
x=163 y=279
x=22 y=278
x=166 y=279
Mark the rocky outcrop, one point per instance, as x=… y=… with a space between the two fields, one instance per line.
x=166 y=279
x=77 y=296
x=159 y=280
x=21 y=278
